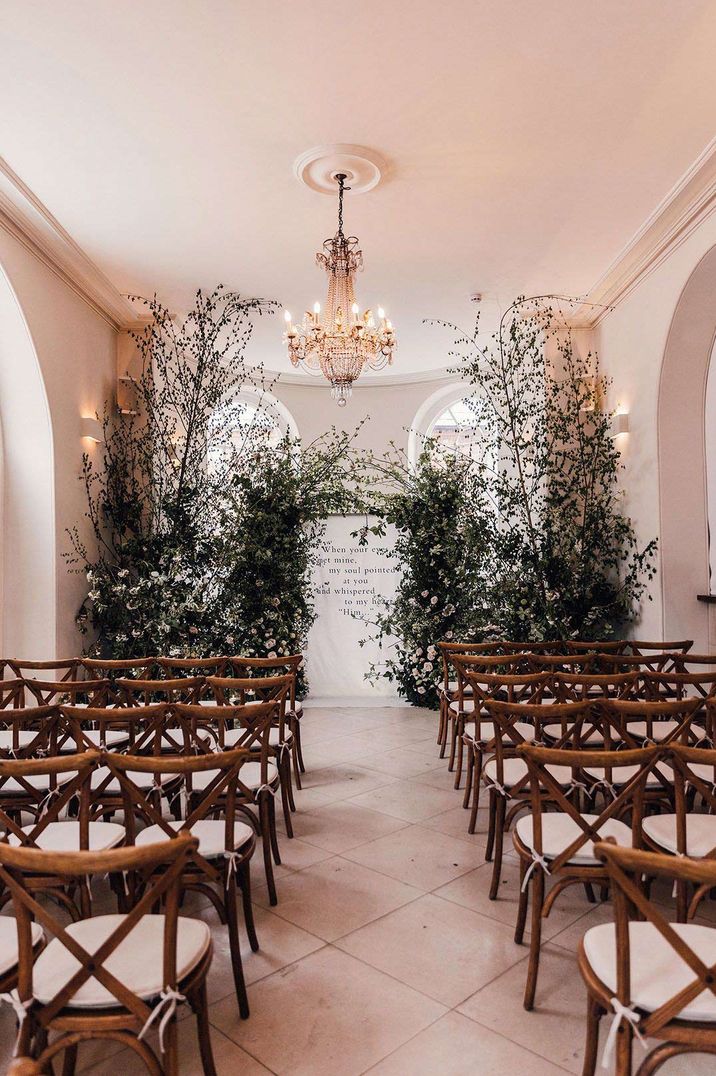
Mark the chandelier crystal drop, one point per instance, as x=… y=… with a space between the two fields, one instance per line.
x=340 y=342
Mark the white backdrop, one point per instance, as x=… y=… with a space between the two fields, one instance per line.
x=347 y=580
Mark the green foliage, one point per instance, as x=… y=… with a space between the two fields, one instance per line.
x=443 y=548
x=205 y=527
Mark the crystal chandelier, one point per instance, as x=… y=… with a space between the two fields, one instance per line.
x=340 y=342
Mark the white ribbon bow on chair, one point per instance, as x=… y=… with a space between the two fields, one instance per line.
x=20 y=1007
x=621 y=1012
x=537 y=859
x=167 y=1007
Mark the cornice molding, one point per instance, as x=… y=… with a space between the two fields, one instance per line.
x=24 y=216
x=689 y=202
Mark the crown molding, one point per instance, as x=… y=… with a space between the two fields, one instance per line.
x=24 y=216
x=689 y=202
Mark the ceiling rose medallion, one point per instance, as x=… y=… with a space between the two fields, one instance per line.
x=340 y=342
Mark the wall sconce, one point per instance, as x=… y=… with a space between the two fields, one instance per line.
x=620 y=423
x=91 y=429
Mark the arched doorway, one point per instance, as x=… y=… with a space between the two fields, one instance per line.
x=682 y=460
x=28 y=561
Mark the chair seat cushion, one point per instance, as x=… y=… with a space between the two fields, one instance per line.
x=65 y=836
x=8 y=941
x=657 y=971
x=487 y=732
x=232 y=737
x=514 y=769
x=112 y=738
x=249 y=775
x=39 y=782
x=622 y=774
x=137 y=777
x=554 y=731
x=700 y=832
x=559 y=830
x=210 y=831
x=659 y=729
x=137 y=961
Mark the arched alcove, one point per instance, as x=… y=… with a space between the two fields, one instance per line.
x=430 y=411
x=28 y=581
x=682 y=459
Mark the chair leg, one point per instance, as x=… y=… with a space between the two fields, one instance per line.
x=273 y=835
x=453 y=743
x=522 y=906
x=284 y=778
x=230 y=896
x=299 y=748
x=245 y=884
x=296 y=765
x=625 y=1041
x=536 y=885
x=468 y=778
x=594 y=1012
x=69 y=1061
x=201 y=1011
x=441 y=722
x=477 y=780
x=492 y=811
x=265 y=823
x=499 y=840
x=460 y=747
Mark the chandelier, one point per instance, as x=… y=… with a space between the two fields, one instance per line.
x=340 y=342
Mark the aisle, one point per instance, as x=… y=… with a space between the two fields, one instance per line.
x=384 y=953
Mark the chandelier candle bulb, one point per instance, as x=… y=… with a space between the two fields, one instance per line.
x=342 y=343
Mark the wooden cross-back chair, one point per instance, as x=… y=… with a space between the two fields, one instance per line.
x=686 y=831
x=595 y=646
x=288 y=664
x=61 y=819
x=111 y=668
x=109 y=976
x=554 y=662
x=506 y=775
x=449 y=689
x=556 y=839
x=226 y=844
x=475 y=730
x=461 y=706
x=70 y=692
x=248 y=728
x=61 y=668
x=656 y=662
x=233 y=690
x=684 y=685
x=652 y=978
x=143 y=730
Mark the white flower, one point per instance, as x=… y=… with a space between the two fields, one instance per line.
x=432 y=652
x=270 y=642
x=448 y=635
x=272 y=654
x=434 y=600
x=425 y=593
x=427 y=666
x=230 y=640
x=421 y=691
x=193 y=630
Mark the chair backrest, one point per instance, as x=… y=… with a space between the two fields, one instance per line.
x=622 y=714
x=572 y=687
x=19 y=864
x=679 y=685
x=656 y=662
x=135 y=692
x=243 y=690
x=35 y=731
x=254 y=719
x=551 y=662
x=70 y=692
x=643 y=646
x=626 y=867
x=286 y=665
x=546 y=790
x=173 y=668
x=537 y=646
x=149 y=729
x=595 y=646
x=109 y=668
x=486 y=666
x=49 y=796
x=61 y=668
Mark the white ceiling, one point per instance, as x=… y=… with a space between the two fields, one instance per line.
x=528 y=141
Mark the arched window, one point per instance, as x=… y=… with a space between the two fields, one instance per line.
x=448 y=417
x=252 y=415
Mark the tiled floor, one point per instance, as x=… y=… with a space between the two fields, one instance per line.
x=384 y=954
